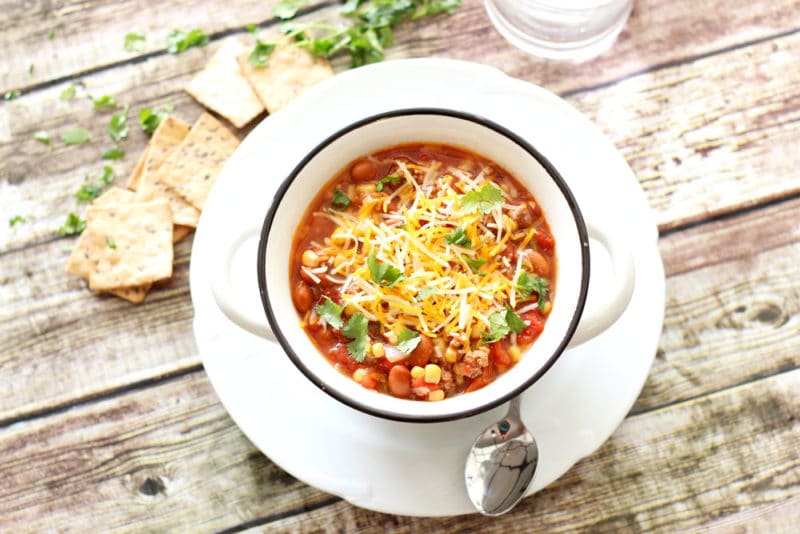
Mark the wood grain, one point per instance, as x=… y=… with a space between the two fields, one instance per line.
x=153 y=459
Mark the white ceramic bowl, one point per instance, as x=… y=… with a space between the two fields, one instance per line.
x=564 y=325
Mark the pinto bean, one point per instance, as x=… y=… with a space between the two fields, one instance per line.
x=364 y=171
x=302 y=297
x=423 y=353
x=538 y=262
x=400 y=381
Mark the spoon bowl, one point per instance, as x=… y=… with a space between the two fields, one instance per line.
x=501 y=464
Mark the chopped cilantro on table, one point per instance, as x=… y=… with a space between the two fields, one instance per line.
x=113 y=153
x=16 y=219
x=90 y=191
x=501 y=324
x=73 y=225
x=76 y=136
x=368 y=30
x=392 y=179
x=134 y=42
x=43 y=137
x=31 y=68
x=340 y=199
x=356 y=329
x=407 y=340
x=484 y=200
x=259 y=57
x=51 y=33
x=180 y=40
x=12 y=94
x=474 y=264
x=286 y=9
x=527 y=284
x=330 y=312
x=105 y=102
x=457 y=237
x=68 y=93
x=110 y=242
x=252 y=28
x=118 y=125
x=383 y=274
x=149 y=119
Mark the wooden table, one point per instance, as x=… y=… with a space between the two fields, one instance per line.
x=108 y=421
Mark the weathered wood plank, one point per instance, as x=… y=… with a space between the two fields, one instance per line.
x=710 y=136
x=721 y=457
x=155 y=460
x=150 y=459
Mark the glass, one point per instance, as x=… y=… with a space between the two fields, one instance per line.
x=560 y=29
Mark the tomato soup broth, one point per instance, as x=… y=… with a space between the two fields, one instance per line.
x=423 y=271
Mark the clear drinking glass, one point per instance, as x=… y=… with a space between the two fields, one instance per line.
x=560 y=29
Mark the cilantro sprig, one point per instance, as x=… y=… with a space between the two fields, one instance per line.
x=356 y=330
x=502 y=323
x=474 y=263
x=392 y=179
x=407 y=340
x=134 y=42
x=180 y=40
x=16 y=219
x=330 y=312
x=76 y=136
x=90 y=191
x=73 y=225
x=260 y=55
x=368 y=31
x=528 y=284
x=383 y=274
x=340 y=199
x=458 y=237
x=483 y=200
x=118 y=125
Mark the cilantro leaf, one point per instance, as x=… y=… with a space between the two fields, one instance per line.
x=180 y=40
x=105 y=102
x=527 y=284
x=113 y=153
x=51 y=33
x=259 y=57
x=134 y=42
x=16 y=219
x=12 y=94
x=149 y=119
x=68 y=93
x=501 y=324
x=383 y=274
x=76 y=136
x=392 y=179
x=287 y=9
x=484 y=200
x=340 y=199
x=90 y=191
x=252 y=28
x=110 y=242
x=514 y=321
x=458 y=237
x=73 y=225
x=356 y=329
x=118 y=125
x=407 y=340
x=31 y=68
x=330 y=312
x=474 y=264
x=107 y=177
x=42 y=137
x=425 y=292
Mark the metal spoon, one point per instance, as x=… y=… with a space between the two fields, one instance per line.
x=501 y=464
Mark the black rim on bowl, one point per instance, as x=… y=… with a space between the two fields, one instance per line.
x=522 y=143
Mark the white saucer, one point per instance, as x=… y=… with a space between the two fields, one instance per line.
x=403 y=468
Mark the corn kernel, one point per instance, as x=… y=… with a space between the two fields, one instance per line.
x=450 y=355
x=547 y=307
x=417 y=371
x=436 y=395
x=477 y=331
x=515 y=353
x=378 y=350
x=359 y=374
x=433 y=373
x=310 y=258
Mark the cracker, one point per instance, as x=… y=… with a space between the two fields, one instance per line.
x=136 y=175
x=222 y=87
x=180 y=231
x=129 y=244
x=114 y=196
x=194 y=166
x=289 y=72
x=169 y=134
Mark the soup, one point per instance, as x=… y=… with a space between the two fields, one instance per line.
x=423 y=271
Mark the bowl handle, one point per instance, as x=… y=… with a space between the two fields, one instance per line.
x=597 y=317
x=234 y=308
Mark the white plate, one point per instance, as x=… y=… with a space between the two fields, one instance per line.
x=417 y=469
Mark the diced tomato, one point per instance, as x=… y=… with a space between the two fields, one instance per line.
x=534 y=324
x=499 y=354
x=545 y=241
x=369 y=381
x=484 y=379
